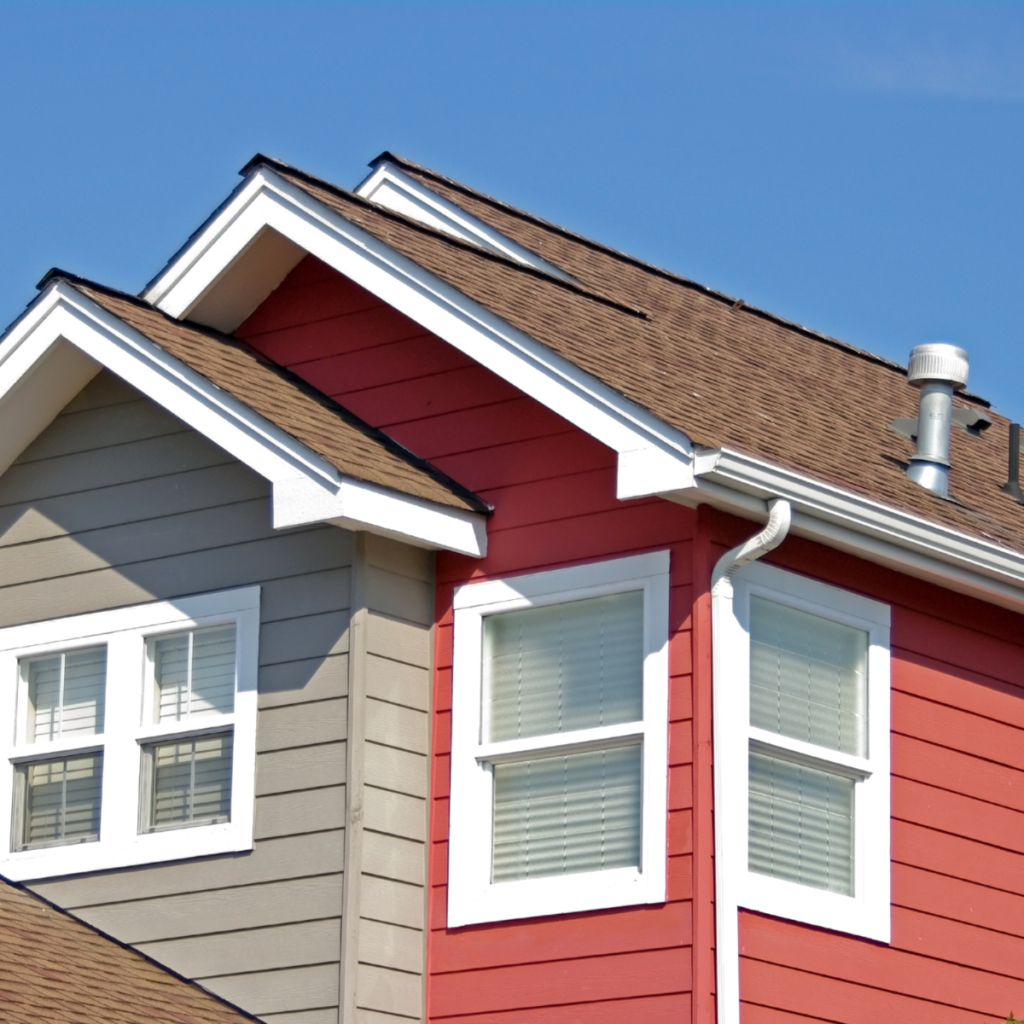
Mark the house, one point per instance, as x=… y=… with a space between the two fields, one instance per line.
x=412 y=610
x=54 y=968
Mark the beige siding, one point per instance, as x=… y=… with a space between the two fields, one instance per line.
x=117 y=503
x=400 y=604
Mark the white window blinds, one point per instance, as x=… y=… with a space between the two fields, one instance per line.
x=564 y=667
x=58 y=801
x=65 y=694
x=807 y=677
x=554 y=670
x=194 y=673
x=801 y=823
x=189 y=782
x=558 y=815
x=808 y=682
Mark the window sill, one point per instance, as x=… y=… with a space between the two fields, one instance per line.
x=554 y=894
x=107 y=854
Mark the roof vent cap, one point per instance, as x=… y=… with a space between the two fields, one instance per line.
x=938 y=361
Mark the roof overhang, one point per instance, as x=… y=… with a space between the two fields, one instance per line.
x=269 y=215
x=271 y=218
x=841 y=519
x=64 y=339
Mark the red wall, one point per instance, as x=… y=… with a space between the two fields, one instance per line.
x=553 y=489
x=958 y=722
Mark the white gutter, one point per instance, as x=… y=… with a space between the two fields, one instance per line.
x=822 y=512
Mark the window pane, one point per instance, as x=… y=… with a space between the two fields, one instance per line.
x=195 y=673
x=213 y=671
x=43 y=698
x=170 y=663
x=808 y=677
x=560 y=815
x=85 y=677
x=191 y=781
x=66 y=694
x=563 y=667
x=62 y=800
x=801 y=824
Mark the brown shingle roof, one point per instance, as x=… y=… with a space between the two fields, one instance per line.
x=725 y=374
x=54 y=969
x=353 y=447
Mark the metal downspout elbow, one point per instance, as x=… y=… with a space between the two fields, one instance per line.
x=780 y=517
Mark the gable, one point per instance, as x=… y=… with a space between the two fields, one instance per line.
x=118 y=502
x=417 y=387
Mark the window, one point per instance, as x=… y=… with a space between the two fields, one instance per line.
x=802 y=751
x=559 y=741
x=134 y=735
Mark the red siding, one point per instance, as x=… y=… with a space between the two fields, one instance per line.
x=958 y=724
x=957 y=950
x=553 y=489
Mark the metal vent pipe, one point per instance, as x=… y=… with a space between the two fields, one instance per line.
x=937 y=370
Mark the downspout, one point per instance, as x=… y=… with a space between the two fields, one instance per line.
x=727 y=931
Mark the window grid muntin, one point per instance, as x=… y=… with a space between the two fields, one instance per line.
x=185 y=697
x=24 y=790
x=28 y=716
x=149 y=801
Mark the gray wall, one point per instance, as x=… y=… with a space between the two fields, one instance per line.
x=117 y=503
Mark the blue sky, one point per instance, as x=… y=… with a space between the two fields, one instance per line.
x=855 y=167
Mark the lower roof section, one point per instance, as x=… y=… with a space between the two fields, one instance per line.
x=323 y=463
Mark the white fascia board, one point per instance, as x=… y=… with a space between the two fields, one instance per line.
x=217 y=415
x=389 y=186
x=740 y=484
x=653 y=455
x=306 y=488
x=413 y=520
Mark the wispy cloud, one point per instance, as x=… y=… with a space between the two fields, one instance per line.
x=935 y=64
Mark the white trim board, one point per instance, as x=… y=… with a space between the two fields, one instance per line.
x=389 y=186
x=124 y=632
x=65 y=338
x=741 y=484
x=473 y=897
x=651 y=453
x=867 y=911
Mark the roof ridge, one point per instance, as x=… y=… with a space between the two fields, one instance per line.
x=163 y=968
x=477 y=250
x=324 y=400
x=738 y=304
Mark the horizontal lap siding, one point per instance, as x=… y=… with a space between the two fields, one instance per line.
x=392 y=930
x=957 y=950
x=553 y=489
x=117 y=503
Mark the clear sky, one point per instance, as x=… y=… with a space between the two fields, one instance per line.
x=854 y=167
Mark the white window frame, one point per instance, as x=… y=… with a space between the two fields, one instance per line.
x=472 y=896
x=125 y=632
x=867 y=911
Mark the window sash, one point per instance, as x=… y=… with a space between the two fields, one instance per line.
x=57 y=801
x=194 y=673
x=64 y=694
x=559 y=681
x=186 y=781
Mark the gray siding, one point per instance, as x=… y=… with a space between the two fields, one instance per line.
x=117 y=503
x=390 y=947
